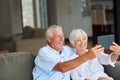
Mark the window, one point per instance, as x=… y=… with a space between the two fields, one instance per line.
x=34 y=13
x=27 y=13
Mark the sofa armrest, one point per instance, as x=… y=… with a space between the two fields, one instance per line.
x=113 y=71
x=8 y=42
x=16 y=66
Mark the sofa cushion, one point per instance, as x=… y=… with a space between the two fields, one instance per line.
x=39 y=32
x=16 y=66
x=27 y=32
x=113 y=71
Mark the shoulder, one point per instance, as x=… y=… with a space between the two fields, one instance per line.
x=68 y=48
x=42 y=51
x=45 y=52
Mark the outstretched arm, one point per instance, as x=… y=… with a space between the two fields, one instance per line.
x=71 y=64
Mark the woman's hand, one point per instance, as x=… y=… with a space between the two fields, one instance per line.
x=103 y=78
x=115 y=48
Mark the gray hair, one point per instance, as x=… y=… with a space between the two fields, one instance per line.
x=51 y=29
x=75 y=34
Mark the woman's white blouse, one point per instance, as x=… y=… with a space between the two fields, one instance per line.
x=92 y=69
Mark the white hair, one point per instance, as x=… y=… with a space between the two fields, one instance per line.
x=75 y=34
x=51 y=29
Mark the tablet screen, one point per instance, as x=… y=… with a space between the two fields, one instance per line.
x=105 y=40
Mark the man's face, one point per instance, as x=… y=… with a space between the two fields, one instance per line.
x=57 y=40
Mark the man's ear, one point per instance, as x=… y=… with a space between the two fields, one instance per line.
x=48 y=39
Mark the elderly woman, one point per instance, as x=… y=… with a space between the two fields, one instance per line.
x=92 y=69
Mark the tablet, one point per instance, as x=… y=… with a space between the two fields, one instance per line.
x=106 y=40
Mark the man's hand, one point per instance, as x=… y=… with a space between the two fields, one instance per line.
x=93 y=52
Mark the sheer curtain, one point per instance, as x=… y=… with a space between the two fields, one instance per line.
x=43 y=11
x=34 y=13
x=40 y=13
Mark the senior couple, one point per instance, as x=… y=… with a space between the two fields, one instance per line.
x=58 y=62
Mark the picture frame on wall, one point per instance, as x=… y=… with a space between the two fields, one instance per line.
x=85 y=9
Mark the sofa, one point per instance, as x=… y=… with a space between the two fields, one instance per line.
x=19 y=66
x=16 y=66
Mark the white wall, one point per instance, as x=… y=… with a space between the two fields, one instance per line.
x=16 y=17
x=70 y=17
x=10 y=17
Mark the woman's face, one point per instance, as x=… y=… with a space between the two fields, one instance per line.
x=80 y=43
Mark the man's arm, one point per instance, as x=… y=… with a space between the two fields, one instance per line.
x=71 y=64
